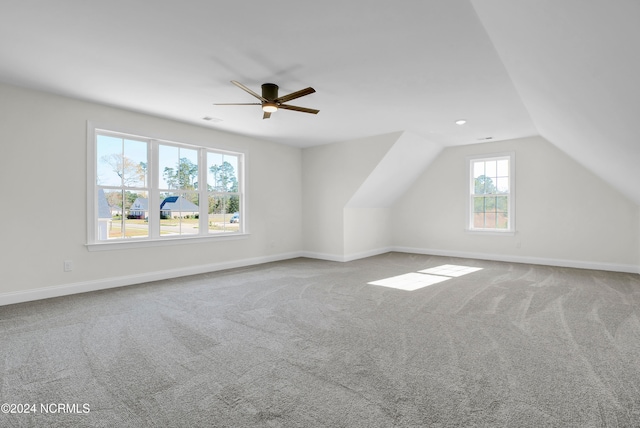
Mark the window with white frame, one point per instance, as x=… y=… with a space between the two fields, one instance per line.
x=148 y=189
x=491 y=193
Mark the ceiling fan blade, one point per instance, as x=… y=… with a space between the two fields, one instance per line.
x=237 y=104
x=296 y=108
x=294 y=95
x=266 y=115
x=244 y=88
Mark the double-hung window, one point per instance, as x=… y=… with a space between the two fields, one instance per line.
x=491 y=193
x=146 y=189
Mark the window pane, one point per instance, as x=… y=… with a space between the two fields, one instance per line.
x=491 y=193
x=121 y=162
x=490 y=204
x=502 y=221
x=503 y=168
x=502 y=185
x=478 y=205
x=169 y=157
x=123 y=187
x=179 y=214
x=478 y=169
x=188 y=169
x=484 y=185
x=109 y=161
x=224 y=213
x=502 y=204
x=136 y=221
x=139 y=208
x=134 y=163
x=214 y=160
x=178 y=168
x=122 y=223
x=490 y=212
x=490 y=220
x=222 y=170
x=113 y=226
x=491 y=169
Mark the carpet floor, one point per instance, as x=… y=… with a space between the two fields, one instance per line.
x=310 y=343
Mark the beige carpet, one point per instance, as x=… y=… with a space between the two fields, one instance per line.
x=308 y=343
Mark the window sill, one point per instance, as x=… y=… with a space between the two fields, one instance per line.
x=491 y=232
x=146 y=243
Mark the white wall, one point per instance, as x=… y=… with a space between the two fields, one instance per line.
x=564 y=213
x=366 y=232
x=331 y=174
x=297 y=202
x=44 y=187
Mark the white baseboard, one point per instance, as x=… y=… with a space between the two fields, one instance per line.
x=365 y=254
x=613 y=267
x=103 y=284
x=345 y=257
x=322 y=256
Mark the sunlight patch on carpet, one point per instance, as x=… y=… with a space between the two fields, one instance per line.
x=451 y=270
x=410 y=281
x=417 y=280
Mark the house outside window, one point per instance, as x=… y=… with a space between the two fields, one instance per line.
x=491 y=193
x=146 y=189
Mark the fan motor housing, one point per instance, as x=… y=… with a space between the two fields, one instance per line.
x=270 y=91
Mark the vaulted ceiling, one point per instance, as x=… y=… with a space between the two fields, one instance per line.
x=565 y=70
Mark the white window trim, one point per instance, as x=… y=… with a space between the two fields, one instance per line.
x=178 y=240
x=511 y=230
x=93 y=244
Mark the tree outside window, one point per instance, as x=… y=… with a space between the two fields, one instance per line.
x=130 y=203
x=491 y=194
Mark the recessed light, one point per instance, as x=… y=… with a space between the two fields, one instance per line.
x=461 y=122
x=212 y=119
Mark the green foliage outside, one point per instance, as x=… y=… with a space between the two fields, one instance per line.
x=224 y=180
x=182 y=177
x=490 y=208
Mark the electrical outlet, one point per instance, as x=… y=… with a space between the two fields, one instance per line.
x=68 y=265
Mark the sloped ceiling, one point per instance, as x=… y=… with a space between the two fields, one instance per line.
x=576 y=66
x=409 y=157
x=511 y=69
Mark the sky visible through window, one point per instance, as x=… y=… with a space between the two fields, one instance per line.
x=110 y=153
x=135 y=152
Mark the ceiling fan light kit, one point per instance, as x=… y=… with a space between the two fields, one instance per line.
x=269 y=107
x=271 y=102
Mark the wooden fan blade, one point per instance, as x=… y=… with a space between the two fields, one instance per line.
x=237 y=104
x=296 y=108
x=294 y=95
x=244 y=88
x=266 y=115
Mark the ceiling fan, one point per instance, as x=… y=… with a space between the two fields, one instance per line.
x=271 y=102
